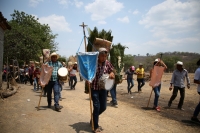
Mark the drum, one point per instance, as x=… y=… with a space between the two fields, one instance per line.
x=105 y=82
x=62 y=74
x=109 y=84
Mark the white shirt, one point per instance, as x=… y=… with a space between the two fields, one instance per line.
x=73 y=72
x=197 y=77
x=178 y=78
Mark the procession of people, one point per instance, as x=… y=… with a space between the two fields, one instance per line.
x=32 y=73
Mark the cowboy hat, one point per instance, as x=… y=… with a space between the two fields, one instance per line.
x=54 y=54
x=179 y=63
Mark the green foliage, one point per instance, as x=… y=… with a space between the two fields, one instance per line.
x=98 y=34
x=27 y=38
x=117 y=59
x=62 y=59
x=128 y=61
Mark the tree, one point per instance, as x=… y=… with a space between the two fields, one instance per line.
x=27 y=38
x=128 y=61
x=98 y=34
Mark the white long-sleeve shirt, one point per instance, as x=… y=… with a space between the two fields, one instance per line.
x=178 y=78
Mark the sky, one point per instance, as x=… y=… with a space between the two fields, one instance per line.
x=144 y=26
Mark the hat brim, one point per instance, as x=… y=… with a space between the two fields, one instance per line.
x=55 y=55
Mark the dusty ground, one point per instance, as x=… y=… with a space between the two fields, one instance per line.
x=18 y=114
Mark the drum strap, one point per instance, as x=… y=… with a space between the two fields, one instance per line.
x=102 y=70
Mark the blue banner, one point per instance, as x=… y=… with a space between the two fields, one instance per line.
x=87 y=64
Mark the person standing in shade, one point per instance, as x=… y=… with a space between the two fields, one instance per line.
x=156 y=89
x=130 y=82
x=140 y=77
x=30 y=73
x=178 y=79
x=72 y=72
x=54 y=82
x=197 y=81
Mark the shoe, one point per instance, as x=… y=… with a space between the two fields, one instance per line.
x=157 y=108
x=181 y=108
x=115 y=105
x=57 y=109
x=49 y=106
x=97 y=130
x=169 y=104
x=195 y=119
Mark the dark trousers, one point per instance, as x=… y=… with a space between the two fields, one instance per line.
x=73 y=78
x=197 y=109
x=99 y=98
x=31 y=79
x=140 y=83
x=174 y=94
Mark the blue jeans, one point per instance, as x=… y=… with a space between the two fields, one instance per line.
x=113 y=94
x=73 y=78
x=157 y=94
x=140 y=83
x=130 y=81
x=60 y=90
x=36 y=83
x=99 y=98
x=56 y=89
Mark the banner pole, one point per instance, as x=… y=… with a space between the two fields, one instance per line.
x=91 y=107
x=40 y=99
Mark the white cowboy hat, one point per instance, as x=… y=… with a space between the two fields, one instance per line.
x=179 y=63
x=53 y=54
x=75 y=62
x=156 y=60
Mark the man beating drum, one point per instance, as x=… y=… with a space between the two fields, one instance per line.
x=54 y=82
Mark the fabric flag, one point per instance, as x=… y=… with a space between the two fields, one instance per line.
x=45 y=75
x=87 y=64
x=156 y=76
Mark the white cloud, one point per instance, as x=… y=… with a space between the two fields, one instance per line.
x=78 y=3
x=173 y=17
x=101 y=22
x=57 y=23
x=66 y=3
x=101 y=9
x=124 y=19
x=34 y=3
x=135 y=12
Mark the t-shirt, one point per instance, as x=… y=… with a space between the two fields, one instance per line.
x=140 y=72
x=129 y=73
x=197 y=77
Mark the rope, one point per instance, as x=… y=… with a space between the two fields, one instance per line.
x=80 y=45
x=89 y=43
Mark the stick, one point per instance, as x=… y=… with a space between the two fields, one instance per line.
x=40 y=99
x=149 y=98
x=91 y=107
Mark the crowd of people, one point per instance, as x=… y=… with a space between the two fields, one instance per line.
x=99 y=95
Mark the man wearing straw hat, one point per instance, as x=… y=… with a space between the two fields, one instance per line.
x=177 y=81
x=54 y=82
x=99 y=95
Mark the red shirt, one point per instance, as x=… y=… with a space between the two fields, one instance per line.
x=36 y=72
x=108 y=69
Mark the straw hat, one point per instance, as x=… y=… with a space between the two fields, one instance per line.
x=53 y=54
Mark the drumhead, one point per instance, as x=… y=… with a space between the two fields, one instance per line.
x=62 y=72
x=109 y=84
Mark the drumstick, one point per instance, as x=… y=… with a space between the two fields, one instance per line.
x=91 y=106
x=40 y=99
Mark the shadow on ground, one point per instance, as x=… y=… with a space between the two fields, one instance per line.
x=81 y=127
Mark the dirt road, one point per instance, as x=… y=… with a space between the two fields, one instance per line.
x=18 y=113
